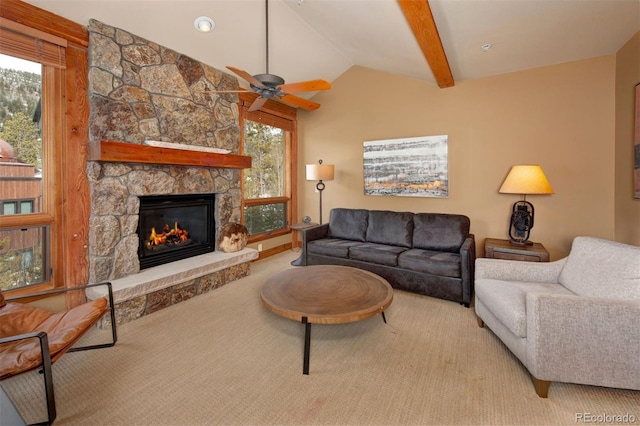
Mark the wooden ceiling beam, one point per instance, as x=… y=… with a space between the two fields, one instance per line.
x=420 y=19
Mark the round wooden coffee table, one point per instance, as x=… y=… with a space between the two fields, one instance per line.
x=326 y=294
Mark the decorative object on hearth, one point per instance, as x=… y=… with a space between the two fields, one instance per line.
x=524 y=180
x=320 y=172
x=271 y=86
x=233 y=237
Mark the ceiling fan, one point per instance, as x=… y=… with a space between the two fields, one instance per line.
x=270 y=86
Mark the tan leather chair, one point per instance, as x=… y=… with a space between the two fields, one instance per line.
x=34 y=338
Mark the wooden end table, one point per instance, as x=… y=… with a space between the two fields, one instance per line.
x=326 y=294
x=504 y=249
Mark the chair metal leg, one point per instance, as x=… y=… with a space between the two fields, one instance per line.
x=48 y=376
x=114 y=334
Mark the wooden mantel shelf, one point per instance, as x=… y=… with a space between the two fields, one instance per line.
x=122 y=152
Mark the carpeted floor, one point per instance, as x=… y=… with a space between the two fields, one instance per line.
x=222 y=358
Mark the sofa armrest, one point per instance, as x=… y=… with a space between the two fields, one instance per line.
x=516 y=270
x=467 y=266
x=315 y=233
x=310 y=234
x=583 y=340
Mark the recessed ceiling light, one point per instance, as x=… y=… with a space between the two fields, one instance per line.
x=486 y=46
x=204 y=24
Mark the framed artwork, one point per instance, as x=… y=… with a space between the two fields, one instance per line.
x=409 y=167
x=636 y=147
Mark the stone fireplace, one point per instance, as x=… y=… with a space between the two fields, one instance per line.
x=140 y=91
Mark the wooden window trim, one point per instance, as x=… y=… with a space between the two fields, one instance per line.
x=278 y=115
x=72 y=207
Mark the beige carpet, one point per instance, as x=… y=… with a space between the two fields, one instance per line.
x=222 y=358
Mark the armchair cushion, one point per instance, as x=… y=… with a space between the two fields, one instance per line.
x=508 y=300
x=601 y=268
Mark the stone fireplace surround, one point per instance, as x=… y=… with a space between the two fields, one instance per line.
x=141 y=91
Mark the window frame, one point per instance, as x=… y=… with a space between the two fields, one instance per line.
x=69 y=132
x=49 y=216
x=285 y=117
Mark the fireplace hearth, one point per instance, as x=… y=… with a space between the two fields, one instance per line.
x=174 y=227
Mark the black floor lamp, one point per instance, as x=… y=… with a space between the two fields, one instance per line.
x=320 y=172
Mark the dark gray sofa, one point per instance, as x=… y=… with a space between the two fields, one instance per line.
x=427 y=253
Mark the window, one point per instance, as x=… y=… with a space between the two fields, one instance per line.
x=13 y=206
x=30 y=90
x=268 y=205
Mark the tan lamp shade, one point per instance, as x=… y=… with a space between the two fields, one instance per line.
x=320 y=172
x=526 y=179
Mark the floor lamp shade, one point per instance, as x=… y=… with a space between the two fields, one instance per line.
x=320 y=172
x=525 y=180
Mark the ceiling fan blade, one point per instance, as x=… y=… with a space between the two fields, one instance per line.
x=246 y=76
x=301 y=102
x=257 y=104
x=305 y=86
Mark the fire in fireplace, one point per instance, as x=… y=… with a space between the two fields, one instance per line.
x=174 y=227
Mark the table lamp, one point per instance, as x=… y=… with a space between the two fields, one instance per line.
x=320 y=172
x=525 y=180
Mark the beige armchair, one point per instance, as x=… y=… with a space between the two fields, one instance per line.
x=575 y=320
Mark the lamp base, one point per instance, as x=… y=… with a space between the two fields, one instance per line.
x=520 y=242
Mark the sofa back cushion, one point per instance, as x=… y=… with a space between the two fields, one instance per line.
x=603 y=269
x=391 y=228
x=348 y=224
x=439 y=231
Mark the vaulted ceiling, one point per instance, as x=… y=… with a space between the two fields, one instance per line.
x=311 y=39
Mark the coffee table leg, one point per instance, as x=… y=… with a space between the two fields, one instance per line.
x=384 y=318
x=307 y=345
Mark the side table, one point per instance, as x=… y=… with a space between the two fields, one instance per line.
x=504 y=249
x=294 y=234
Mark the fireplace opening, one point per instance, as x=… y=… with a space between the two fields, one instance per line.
x=174 y=227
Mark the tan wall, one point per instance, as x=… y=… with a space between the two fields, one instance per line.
x=561 y=117
x=627 y=209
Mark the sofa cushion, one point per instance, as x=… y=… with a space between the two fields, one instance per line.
x=333 y=247
x=431 y=262
x=348 y=224
x=441 y=232
x=602 y=268
x=380 y=254
x=507 y=300
x=387 y=227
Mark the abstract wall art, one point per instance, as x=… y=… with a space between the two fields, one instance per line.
x=408 y=167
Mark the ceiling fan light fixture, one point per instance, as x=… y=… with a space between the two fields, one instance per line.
x=204 y=24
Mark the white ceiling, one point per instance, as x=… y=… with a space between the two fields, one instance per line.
x=312 y=39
